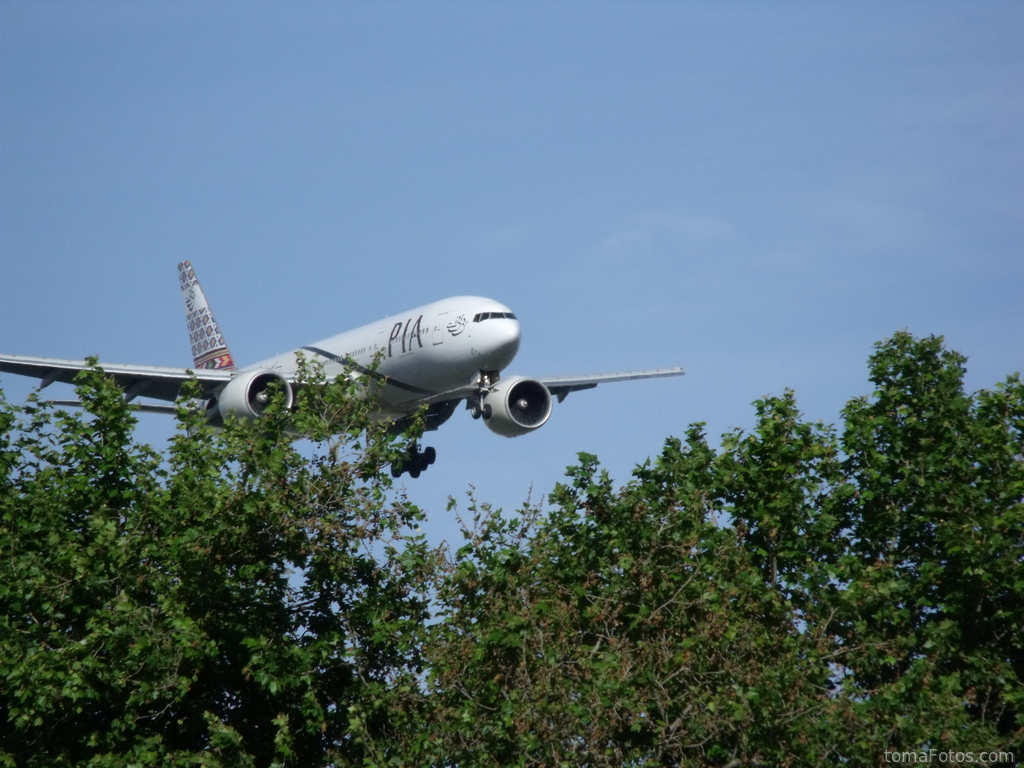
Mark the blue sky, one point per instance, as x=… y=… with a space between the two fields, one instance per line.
x=756 y=192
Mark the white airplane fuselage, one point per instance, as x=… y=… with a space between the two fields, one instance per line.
x=436 y=356
x=428 y=350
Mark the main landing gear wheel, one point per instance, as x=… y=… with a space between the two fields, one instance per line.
x=415 y=462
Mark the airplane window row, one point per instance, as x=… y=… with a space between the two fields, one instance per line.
x=479 y=318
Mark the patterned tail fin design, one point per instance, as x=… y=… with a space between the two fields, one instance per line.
x=208 y=346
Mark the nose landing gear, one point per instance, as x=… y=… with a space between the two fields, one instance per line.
x=485 y=380
x=415 y=461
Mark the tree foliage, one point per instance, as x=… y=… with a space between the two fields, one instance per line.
x=234 y=603
x=804 y=594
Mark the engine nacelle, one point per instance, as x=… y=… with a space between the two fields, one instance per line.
x=247 y=395
x=517 y=406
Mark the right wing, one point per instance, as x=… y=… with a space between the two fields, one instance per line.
x=136 y=380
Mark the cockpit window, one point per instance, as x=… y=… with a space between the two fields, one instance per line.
x=481 y=316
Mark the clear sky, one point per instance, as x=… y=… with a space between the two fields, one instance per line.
x=756 y=192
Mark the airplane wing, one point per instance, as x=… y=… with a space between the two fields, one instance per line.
x=443 y=404
x=561 y=386
x=145 y=380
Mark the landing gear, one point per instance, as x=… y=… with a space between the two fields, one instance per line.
x=485 y=380
x=415 y=461
x=477 y=411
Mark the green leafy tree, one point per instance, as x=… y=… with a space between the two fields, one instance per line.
x=626 y=628
x=933 y=605
x=237 y=603
x=805 y=595
x=800 y=597
x=780 y=485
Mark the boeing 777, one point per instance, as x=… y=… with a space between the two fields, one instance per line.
x=438 y=355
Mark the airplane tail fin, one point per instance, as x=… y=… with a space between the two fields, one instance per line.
x=209 y=349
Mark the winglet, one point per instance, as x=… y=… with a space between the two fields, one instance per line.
x=209 y=350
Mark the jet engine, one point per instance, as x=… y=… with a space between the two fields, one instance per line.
x=516 y=406
x=247 y=395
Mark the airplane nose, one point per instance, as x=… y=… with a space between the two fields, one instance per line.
x=502 y=342
x=507 y=339
x=512 y=336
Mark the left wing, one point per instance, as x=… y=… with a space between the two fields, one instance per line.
x=561 y=386
x=146 y=380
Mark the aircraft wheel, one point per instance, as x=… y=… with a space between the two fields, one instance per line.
x=475 y=411
x=487 y=411
x=430 y=455
x=414 y=472
x=396 y=470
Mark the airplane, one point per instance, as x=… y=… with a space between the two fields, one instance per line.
x=438 y=355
